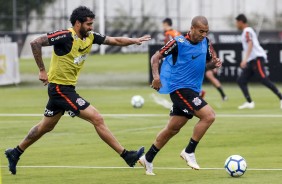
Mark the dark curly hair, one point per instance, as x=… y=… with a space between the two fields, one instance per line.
x=81 y=13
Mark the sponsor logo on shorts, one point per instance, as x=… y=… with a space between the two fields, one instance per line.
x=80 y=101
x=197 y=101
x=48 y=113
x=185 y=111
x=171 y=109
x=72 y=114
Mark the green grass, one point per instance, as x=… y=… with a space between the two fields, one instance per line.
x=74 y=142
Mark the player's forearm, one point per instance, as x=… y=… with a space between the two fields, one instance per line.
x=155 y=66
x=120 y=41
x=37 y=53
x=36 y=47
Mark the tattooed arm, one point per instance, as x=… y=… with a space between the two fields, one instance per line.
x=124 y=41
x=36 y=46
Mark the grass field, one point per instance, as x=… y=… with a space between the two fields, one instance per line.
x=108 y=83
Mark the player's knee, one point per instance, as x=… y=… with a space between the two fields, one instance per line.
x=210 y=117
x=173 y=131
x=98 y=120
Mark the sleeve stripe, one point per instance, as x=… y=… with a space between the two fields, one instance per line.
x=248 y=36
x=57 y=33
x=167 y=46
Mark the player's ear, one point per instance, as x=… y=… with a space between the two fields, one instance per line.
x=77 y=23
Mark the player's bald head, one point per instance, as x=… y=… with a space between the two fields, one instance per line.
x=199 y=20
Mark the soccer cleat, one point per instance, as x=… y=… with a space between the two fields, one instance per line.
x=247 y=105
x=13 y=160
x=133 y=156
x=190 y=159
x=225 y=98
x=147 y=165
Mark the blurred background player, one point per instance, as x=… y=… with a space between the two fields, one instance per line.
x=70 y=50
x=210 y=75
x=181 y=76
x=252 y=63
x=169 y=34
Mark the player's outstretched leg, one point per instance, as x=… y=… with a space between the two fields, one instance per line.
x=92 y=115
x=242 y=81
x=45 y=125
x=207 y=117
x=173 y=127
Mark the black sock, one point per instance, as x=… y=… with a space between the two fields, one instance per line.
x=124 y=153
x=220 y=90
x=279 y=95
x=248 y=98
x=191 y=146
x=18 y=151
x=150 y=155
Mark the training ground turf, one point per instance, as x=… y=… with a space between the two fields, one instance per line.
x=73 y=153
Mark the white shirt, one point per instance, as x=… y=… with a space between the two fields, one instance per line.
x=257 y=51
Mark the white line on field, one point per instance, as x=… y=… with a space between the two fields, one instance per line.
x=161 y=115
x=159 y=168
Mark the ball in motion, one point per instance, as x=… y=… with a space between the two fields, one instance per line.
x=137 y=101
x=235 y=165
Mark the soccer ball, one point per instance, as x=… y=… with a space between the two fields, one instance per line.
x=235 y=165
x=137 y=101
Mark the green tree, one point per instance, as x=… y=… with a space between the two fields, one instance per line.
x=22 y=10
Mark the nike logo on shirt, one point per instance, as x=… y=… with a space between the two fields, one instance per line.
x=194 y=57
x=81 y=50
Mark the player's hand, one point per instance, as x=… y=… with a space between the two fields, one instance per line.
x=214 y=71
x=156 y=84
x=243 y=64
x=43 y=77
x=142 y=39
x=217 y=63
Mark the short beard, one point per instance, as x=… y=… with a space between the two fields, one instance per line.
x=83 y=33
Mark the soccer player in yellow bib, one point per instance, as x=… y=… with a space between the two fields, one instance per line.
x=71 y=48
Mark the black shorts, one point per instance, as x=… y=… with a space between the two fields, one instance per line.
x=64 y=98
x=255 y=67
x=186 y=102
